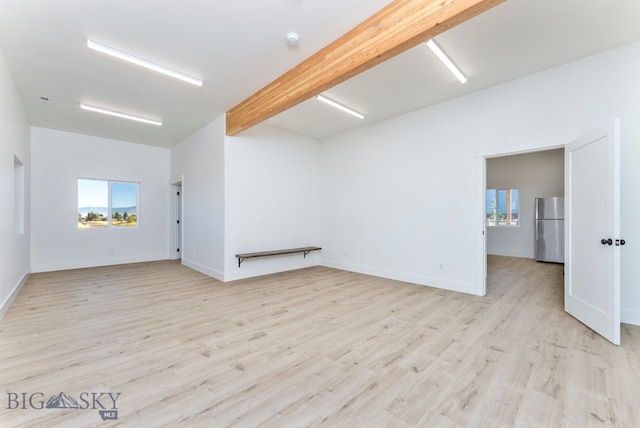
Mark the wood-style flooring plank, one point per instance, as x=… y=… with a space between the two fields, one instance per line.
x=316 y=347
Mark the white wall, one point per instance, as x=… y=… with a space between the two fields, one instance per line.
x=397 y=197
x=396 y=201
x=198 y=162
x=14 y=141
x=537 y=174
x=272 y=187
x=59 y=159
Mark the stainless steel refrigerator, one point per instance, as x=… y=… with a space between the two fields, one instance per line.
x=550 y=229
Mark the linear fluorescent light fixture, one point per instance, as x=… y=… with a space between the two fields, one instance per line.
x=142 y=62
x=339 y=106
x=446 y=61
x=120 y=114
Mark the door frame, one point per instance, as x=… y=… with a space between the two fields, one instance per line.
x=480 y=171
x=176 y=230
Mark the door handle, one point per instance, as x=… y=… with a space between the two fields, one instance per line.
x=606 y=241
x=620 y=242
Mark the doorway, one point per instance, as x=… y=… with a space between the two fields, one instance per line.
x=590 y=253
x=515 y=180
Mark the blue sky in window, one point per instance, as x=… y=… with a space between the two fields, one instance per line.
x=502 y=201
x=124 y=195
x=93 y=193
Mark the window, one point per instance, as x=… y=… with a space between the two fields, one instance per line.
x=502 y=207
x=107 y=204
x=124 y=204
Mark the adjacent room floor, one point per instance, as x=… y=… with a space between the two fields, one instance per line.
x=314 y=347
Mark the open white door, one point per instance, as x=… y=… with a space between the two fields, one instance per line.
x=592 y=217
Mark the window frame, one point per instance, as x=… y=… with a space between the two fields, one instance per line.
x=509 y=208
x=110 y=211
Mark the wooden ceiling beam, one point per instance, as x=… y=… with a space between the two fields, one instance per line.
x=401 y=25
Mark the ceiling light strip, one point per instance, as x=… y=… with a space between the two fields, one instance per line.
x=120 y=114
x=339 y=106
x=142 y=62
x=446 y=61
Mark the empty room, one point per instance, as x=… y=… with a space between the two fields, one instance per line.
x=299 y=213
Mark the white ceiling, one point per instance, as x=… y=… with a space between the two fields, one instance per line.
x=239 y=46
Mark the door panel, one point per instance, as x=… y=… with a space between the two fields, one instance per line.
x=592 y=270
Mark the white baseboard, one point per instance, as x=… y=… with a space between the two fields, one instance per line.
x=203 y=269
x=462 y=287
x=82 y=264
x=628 y=316
x=254 y=267
x=12 y=296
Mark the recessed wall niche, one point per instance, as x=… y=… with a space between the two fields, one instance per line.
x=18 y=196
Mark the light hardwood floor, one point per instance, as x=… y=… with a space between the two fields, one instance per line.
x=314 y=347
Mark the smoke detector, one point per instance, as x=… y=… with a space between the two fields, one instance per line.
x=293 y=39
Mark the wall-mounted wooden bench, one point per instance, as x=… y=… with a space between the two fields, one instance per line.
x=305 y=250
